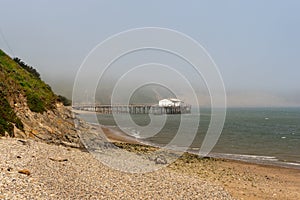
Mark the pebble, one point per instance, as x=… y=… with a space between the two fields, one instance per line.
x=160 y=160
x=84 y=177
x=24 y=171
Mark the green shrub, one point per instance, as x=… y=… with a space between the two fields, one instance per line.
x=35 y=103
x=19 y=124
x=6 y=126
x=8 y=117
x=64 y=100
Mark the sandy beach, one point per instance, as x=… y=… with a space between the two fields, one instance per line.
x=35 y=170
x=242 y=180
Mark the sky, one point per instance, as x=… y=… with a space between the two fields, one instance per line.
x=255 y=44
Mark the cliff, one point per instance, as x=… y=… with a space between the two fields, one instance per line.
x=29 y=108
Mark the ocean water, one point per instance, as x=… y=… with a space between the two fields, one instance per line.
x=259 y=135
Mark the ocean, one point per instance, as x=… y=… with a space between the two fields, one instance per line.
x=258 y=135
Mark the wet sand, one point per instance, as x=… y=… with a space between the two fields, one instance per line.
x=118 y=136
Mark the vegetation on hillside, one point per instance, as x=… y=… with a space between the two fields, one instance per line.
x=64 y=100
x=39 y=95
x=27 y=67
x=16 y=78
x=8 y=118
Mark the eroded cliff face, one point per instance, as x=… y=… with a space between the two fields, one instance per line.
x=29 y=108
x=52 y=126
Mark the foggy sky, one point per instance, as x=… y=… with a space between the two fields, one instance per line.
x=255 y=43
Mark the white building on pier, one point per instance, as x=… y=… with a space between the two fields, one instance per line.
x=170 y=102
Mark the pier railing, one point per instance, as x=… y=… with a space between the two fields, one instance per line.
x=134 y=109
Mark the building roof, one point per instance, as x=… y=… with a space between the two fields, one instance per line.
x=173 y=100
x=177 y=100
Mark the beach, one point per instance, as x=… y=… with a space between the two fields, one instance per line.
x=243 y=180
x=35 y=170
x=257 y=135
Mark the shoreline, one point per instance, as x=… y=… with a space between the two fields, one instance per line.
x=241 y=178
x=189 y=176
x=116 y=135
x=121 y=137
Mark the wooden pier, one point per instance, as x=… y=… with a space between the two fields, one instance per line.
x=134 y=109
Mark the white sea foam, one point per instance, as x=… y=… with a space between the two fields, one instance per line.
x=248 y=157
x=295 y=164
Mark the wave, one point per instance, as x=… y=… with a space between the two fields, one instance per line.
x=257 y=159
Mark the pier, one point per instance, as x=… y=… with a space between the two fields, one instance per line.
x=134 y=109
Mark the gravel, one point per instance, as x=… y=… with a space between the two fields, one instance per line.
x=57 y=172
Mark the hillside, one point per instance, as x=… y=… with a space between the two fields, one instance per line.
x=28 y=106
